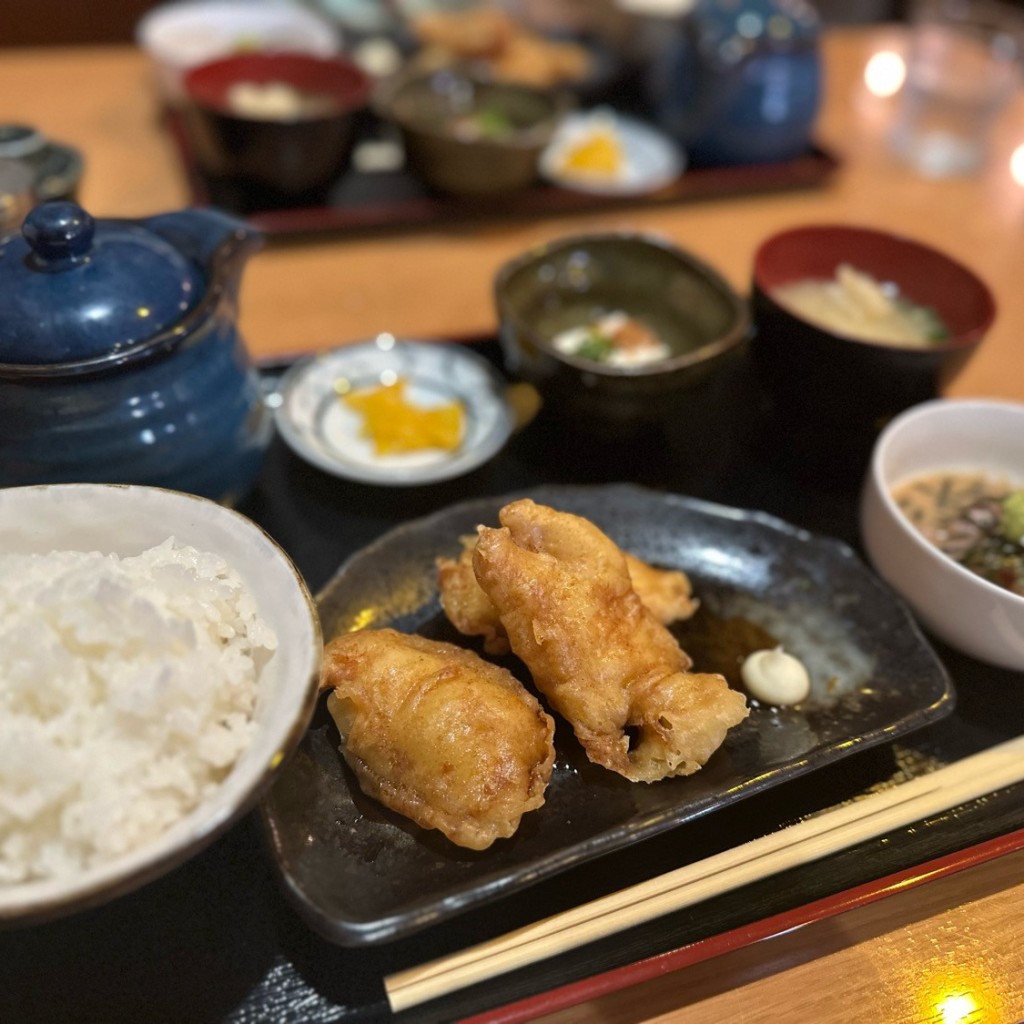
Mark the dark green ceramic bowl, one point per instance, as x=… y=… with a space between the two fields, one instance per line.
x=469 y=137
x=689 y=305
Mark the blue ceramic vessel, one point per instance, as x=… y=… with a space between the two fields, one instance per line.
x=738 y=81
x=120 y=355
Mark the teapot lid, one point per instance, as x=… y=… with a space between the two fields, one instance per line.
x=74 y=288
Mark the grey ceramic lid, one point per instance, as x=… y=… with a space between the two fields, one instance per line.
x=73 y=288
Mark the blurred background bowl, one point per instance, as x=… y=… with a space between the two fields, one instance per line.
x=56 y=168
x=572 y=48
x=573 y=281
x=274 y=129
x=466 y=136
x=842 y=384
x=957 y=605
x=126 y=520
x=180 y=36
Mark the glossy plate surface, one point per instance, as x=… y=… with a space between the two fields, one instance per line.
x=650 y=160
x=322 y=430
x=360 y=874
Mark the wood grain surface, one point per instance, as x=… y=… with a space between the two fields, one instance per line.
x=437 y=283
x=947 y=953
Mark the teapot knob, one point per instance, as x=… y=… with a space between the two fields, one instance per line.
x=59 y=233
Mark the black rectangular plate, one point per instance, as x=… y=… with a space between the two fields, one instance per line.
x=360 y=874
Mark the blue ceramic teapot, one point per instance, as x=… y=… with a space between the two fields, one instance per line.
x=737 y=81
x=120 y=356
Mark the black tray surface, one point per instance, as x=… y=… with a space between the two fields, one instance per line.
x=367 y=202
x=217 y=939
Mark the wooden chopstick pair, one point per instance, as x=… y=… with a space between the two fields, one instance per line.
x=797 y=844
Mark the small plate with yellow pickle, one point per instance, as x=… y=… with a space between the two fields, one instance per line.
x=607 y=153
x=394 y=412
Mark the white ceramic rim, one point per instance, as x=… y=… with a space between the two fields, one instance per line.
x=883 y=484
x=211 y=16
x=245 y=782
x=485 y=402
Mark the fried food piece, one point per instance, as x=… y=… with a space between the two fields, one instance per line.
x=464 y=602
x=512 y=52
x=600 y=657
x=480 y=31
x=439 y=735
x=531 y=60
x=665 y=592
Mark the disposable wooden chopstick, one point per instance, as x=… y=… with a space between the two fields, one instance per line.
x=801 y=843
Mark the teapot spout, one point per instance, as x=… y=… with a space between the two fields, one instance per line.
x=217 y=241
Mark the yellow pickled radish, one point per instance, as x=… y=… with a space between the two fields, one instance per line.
x=396 y=426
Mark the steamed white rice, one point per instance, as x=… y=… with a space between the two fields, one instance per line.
x=127 y=692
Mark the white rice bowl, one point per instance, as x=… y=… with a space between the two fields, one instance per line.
x=125 y=521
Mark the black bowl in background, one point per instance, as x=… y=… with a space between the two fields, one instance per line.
x=826 y=381
x=432 y=109
x=265 y=161
x=571 y=280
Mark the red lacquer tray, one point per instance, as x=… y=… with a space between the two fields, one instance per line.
x=630 y=976
x=365 y=201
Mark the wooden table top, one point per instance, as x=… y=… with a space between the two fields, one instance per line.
x=436 y=283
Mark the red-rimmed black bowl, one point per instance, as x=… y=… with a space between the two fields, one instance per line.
x=290 y=156
x=825 y=379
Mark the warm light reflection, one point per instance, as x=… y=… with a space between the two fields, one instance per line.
x=957 y=996
x=1017 y=165
x=363 y=618
x=885 y=73
x=958 y=1009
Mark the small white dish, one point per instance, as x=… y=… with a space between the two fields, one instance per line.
x=650 y=159
x=961 y=608
x=321 y=429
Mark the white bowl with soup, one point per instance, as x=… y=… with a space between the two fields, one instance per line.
x=942 y=521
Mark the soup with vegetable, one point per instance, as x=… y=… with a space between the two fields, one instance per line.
x=614 y=338
x=277 y=101
x=854 y=304
x=976 y=520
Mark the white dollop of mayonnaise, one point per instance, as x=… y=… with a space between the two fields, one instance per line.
x=775 y=677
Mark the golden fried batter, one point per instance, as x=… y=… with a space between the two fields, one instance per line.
x=665 y=592
x=605 y=663
x=436 y=733
x=464 y=602
x=481 y=31
x=512 y=51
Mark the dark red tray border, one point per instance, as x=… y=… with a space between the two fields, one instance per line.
x=810 y=170
x=640 y=971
